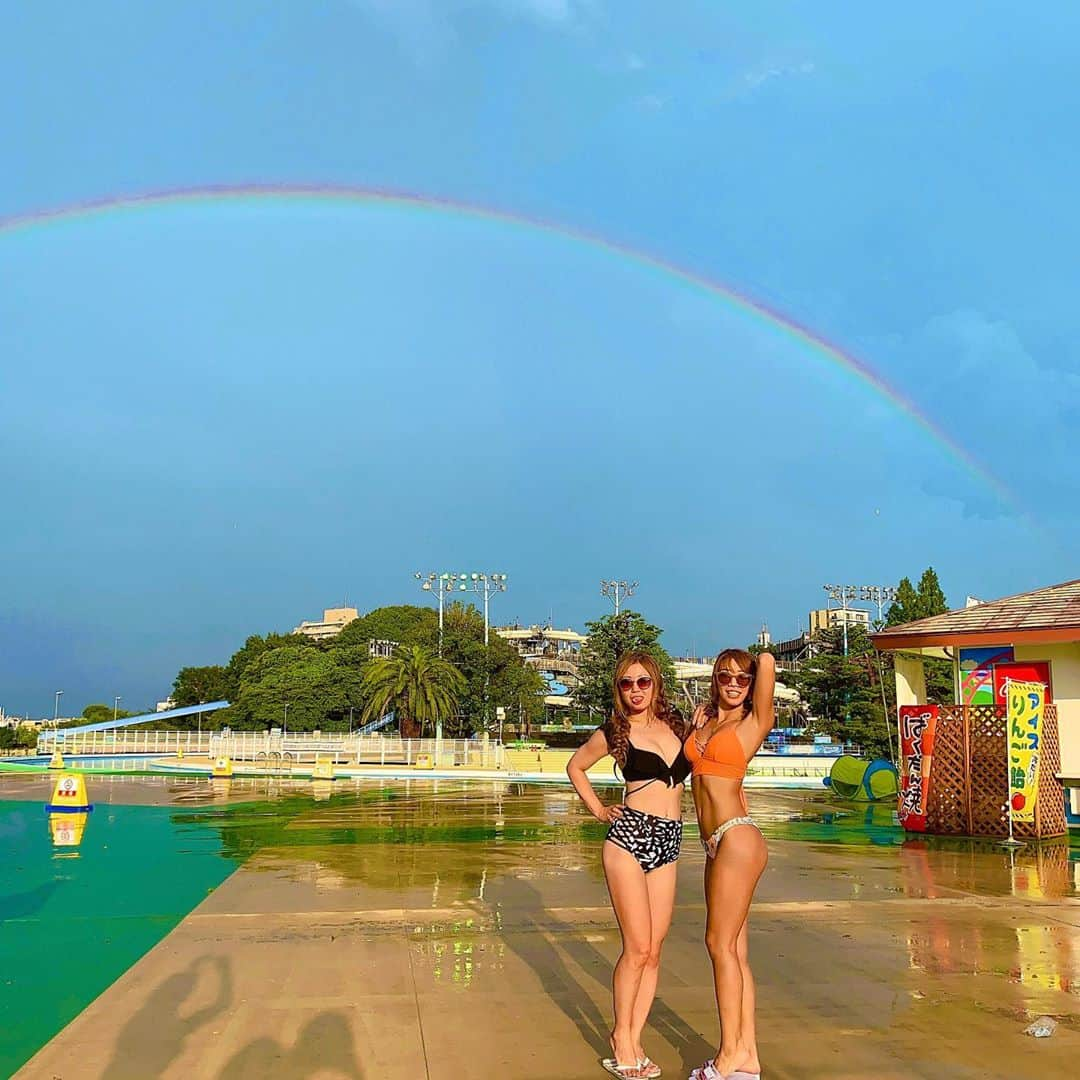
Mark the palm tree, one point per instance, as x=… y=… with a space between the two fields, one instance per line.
x=422 y=689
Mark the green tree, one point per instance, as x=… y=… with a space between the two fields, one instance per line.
x=318 y=686
x=194 y=685
x=21 y=737
x=251 y=650
x=906 y=605
x=404 y=623
x=931 y=598
x=848 y=697
x=422 y=690
x=922 y=603
x=609 y=638
x=494 y=674
x=98 y=712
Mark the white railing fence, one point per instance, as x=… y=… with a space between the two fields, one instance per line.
x=276 y=748
x=124 y=741
x=280 y=750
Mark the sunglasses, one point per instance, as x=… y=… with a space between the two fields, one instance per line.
x=643 y=682
x=726 y=678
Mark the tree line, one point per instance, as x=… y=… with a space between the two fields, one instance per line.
x=852 y=697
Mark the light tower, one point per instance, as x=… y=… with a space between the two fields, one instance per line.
x=617 y=591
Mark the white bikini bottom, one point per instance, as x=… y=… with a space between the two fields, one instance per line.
x=712 y=845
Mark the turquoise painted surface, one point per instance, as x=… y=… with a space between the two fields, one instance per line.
x=71 y=924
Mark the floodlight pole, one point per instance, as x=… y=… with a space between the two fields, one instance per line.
x=484 y=585
x=842 y=594
x=441 y=585
x=616 y=591
x=880 y=595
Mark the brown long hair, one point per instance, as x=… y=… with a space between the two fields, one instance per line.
x=743 y=660
x=617 y=729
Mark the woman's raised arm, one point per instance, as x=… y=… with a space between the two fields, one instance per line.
x=763 y=714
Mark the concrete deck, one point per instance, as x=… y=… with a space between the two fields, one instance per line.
x=452 y=960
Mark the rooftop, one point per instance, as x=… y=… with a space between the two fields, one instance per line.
x=1037 y=617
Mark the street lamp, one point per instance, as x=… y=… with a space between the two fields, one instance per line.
x=285 y=725
x=617 y=591
x=842 y=594
x=116 y=707
x=441 y=585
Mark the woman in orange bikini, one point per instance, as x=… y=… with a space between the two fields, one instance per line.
x=727 y=733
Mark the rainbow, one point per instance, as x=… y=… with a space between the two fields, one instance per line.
x=735 y=298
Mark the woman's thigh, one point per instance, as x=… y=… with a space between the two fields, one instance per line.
x=730 y=880
x=628 y=888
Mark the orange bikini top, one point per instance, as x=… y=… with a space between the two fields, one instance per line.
x=723 y=755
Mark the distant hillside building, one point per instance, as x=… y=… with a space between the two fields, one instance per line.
x=828 y=618
x=334 y=620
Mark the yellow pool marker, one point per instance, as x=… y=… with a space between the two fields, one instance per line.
x=222 y=767
x=57 y=760
x=67 y=829
x=179 y=753
x=69 y=796
x=423 y=761
x=324 y=768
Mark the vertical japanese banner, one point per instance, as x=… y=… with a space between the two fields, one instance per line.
x=1025 y=702
x=918 y=724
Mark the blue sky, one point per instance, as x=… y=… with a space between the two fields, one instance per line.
x=219 y=419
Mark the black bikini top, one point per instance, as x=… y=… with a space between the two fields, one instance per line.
x=647 y=765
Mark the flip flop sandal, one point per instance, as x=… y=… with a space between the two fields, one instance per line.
x=649 y=1069
x=624 y=1072
x=708 y=1071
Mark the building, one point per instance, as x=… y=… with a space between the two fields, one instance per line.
x=828 y=618
x=334 y=620
x=1033 y=635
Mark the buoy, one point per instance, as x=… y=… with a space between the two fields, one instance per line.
x=69 y=796
x=67 y=829
x=57 y=760
x=324 y=768
x=223 y=766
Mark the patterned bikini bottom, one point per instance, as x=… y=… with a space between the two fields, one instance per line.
x=712 y=844
x=653 y=841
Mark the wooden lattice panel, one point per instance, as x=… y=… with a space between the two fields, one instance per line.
x=969 y=776
x=947 y=803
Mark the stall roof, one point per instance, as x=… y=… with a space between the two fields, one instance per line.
x=1039 y=617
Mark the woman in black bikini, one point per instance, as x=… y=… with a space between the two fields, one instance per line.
x=645 y=736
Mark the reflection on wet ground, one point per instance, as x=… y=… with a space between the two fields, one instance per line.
x=435 y=928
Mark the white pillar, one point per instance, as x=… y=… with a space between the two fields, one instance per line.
x=910 y=679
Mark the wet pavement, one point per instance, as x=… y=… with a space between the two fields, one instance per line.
x=437 y=929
